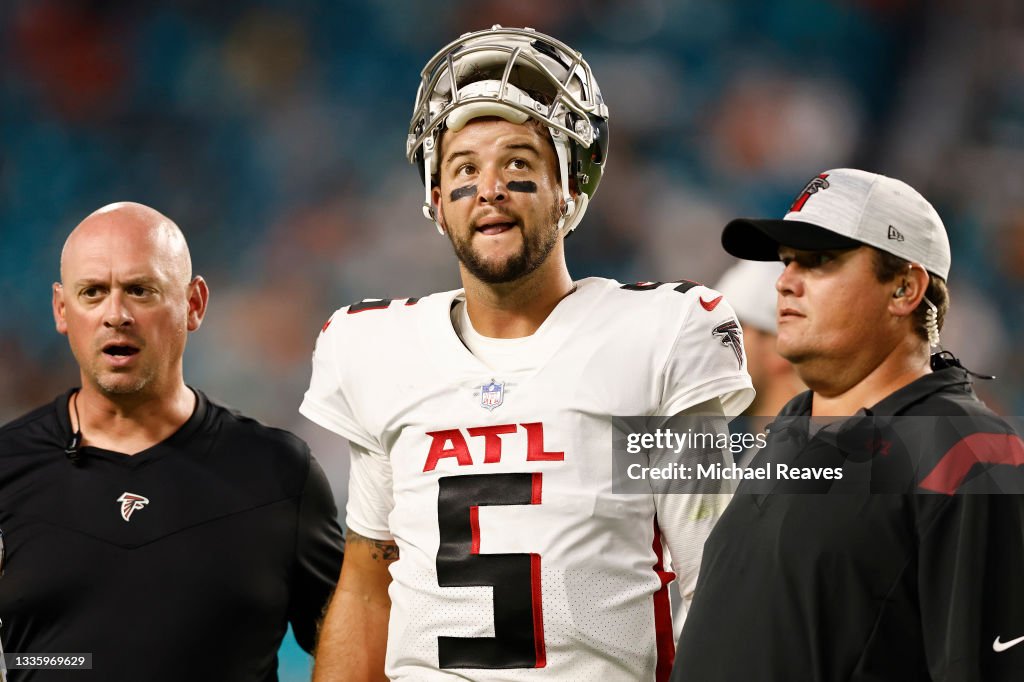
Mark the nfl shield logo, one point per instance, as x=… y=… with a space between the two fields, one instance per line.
x=492 y=395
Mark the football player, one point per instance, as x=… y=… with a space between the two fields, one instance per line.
x=485 y=539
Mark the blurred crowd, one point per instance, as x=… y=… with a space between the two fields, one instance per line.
x=274 y=133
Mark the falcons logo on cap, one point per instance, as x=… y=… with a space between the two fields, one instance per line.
x=816 y=184
x=732 y=336
x=131 y=503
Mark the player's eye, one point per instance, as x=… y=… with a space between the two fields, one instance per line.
x=90 y=292
x=519 y=164
x=822 y=258
x=465 y=169
x=136 y=290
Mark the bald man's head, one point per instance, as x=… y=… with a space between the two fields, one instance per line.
x=127 y=300
x=129 y=220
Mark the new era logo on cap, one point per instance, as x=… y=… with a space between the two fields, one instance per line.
x=895 y=234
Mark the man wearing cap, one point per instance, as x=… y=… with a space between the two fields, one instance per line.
x=901 y=559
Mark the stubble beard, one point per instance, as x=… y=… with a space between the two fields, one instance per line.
x=117 y=385
x=535 y=249
x=123 y=383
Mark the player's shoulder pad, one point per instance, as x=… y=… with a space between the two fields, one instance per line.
x=678 y=296
x=687 y=311
x=371 y=312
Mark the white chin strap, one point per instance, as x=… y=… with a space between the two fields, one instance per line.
x=562 y=151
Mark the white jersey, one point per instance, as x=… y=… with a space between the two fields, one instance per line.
x=517 y=561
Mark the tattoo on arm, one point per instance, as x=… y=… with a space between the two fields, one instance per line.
x=380 y=550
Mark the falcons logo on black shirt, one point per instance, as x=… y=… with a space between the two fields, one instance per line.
x=732 y=336
x=131 y=503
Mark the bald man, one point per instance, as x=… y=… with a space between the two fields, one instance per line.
x=148 y=532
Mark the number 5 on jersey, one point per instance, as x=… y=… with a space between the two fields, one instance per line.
x=515 y=578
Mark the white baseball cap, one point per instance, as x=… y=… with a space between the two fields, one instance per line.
x=844 y=208
x=749 y=287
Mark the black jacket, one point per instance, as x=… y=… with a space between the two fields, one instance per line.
x=909 y=567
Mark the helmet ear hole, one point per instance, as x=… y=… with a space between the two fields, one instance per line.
x=588 y=162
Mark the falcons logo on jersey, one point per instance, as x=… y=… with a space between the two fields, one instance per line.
x=732 y=336
x=131 y=503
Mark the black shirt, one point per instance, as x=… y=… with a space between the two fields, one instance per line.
x=883 y=576
x=235 y=536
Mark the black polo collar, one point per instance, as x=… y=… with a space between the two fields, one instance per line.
x=896 y=402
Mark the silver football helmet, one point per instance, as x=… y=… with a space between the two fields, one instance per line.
x=515 y=73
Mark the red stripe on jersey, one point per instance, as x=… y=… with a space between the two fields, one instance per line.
x=663 y=613
x=474 y=526
x=535 y=585
x=977 y=448
x=376 y=306
x=538 y=611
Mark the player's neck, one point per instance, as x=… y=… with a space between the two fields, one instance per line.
x=129 y=423
x=895 y=371
x=516 y=309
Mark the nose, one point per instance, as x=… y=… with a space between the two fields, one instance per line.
x=491 y=188
x=117 y=313
x=789 y=282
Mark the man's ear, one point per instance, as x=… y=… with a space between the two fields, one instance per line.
x=435 y=200
x=198 y=298
x=909 y=291
x=59 y=318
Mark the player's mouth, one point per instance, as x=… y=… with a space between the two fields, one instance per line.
x=786 y=314
x=494 y=225
x=120 y=353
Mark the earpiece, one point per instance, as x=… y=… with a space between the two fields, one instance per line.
x=899 y=293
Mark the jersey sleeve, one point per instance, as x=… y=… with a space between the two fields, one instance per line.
x=687 y=514
x=329 y=401
x=707 y=359
x=370 y=494
x=319 y=550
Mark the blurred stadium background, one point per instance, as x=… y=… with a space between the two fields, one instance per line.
x=273 y=133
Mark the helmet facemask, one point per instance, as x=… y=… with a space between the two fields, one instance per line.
x=515 y=74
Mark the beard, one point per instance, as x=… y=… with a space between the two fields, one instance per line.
x=114 y=383
x=535 y=249
x=119 y=382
